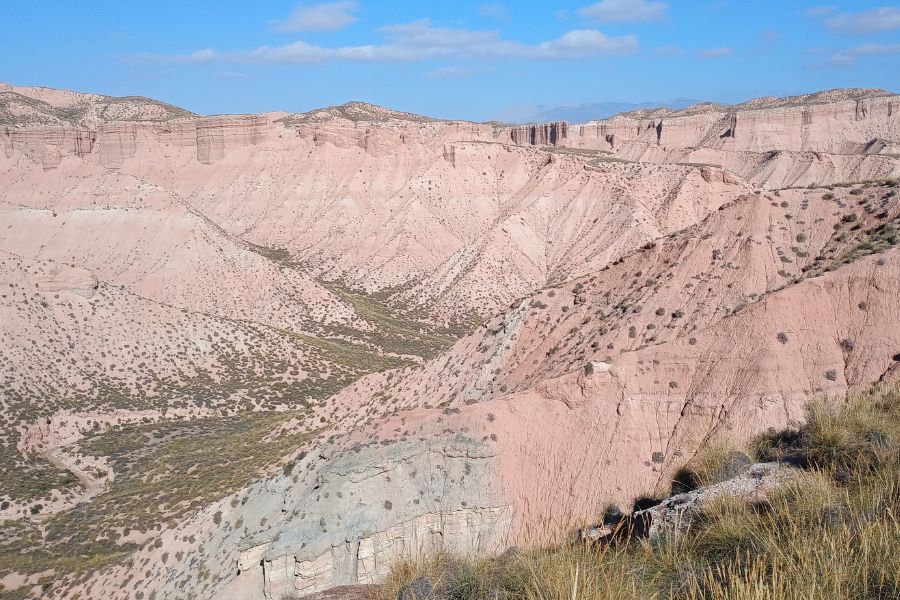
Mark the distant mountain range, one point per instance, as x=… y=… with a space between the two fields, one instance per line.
x=583 y=113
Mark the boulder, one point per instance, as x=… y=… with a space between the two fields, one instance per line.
x=678 y=513
x=417 y=589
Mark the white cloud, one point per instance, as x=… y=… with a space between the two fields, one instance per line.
x=204 y=55
x=493 y=10
x=819 y=11
x=200 y=56
x=422 y=34
x=328 y=16
x=624 y=11
x=582 y=43
x=869 y=21
x=715 y=52
x=303 y=52
x=421 y=40
x=851 y=55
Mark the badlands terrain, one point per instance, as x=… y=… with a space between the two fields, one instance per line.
x=261 y=356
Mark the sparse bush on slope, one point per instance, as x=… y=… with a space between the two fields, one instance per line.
x=832 y=533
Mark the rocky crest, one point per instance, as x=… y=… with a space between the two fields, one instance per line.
x=762 y=140
x=841 y=135
x=41 y=107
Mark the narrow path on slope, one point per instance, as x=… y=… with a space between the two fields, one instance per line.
x=90 y=484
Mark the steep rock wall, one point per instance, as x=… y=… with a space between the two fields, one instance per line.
x=117 y=142
x=543 y=134
x=850 y=140
x=815 y=128
x=215 y=135
x=344 y=514
x=48 y=146
x=368 y=558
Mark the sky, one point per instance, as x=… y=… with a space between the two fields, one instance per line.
x=453 y=59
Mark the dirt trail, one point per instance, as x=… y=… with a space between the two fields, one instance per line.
x=56 y=441
x=91 y=485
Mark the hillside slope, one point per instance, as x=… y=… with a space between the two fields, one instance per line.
x=409 y=465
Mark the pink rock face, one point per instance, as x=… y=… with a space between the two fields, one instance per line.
x=440 y=208
x=772 y=142
x=67 y=279
x=641 y=285
x=722 y=358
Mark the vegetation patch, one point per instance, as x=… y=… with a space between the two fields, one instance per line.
x=396 y=331
x=280 y=256
x=163 y=472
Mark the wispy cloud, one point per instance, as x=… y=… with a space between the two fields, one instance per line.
x=199 y=56
x=851 y=55
x=624 y=11
x=819 y=11
x=715 y=52
x=885 y=18
x=230 y=75
x=328 y=16
x=493 y=10
x=459 y=71
x=768 y=40
x=669 y=50
x=421 y=40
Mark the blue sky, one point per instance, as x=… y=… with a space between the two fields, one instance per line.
x=463 y=59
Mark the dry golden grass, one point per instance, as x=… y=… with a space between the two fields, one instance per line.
x=834 y=533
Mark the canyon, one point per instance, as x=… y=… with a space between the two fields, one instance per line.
x=251 y=356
